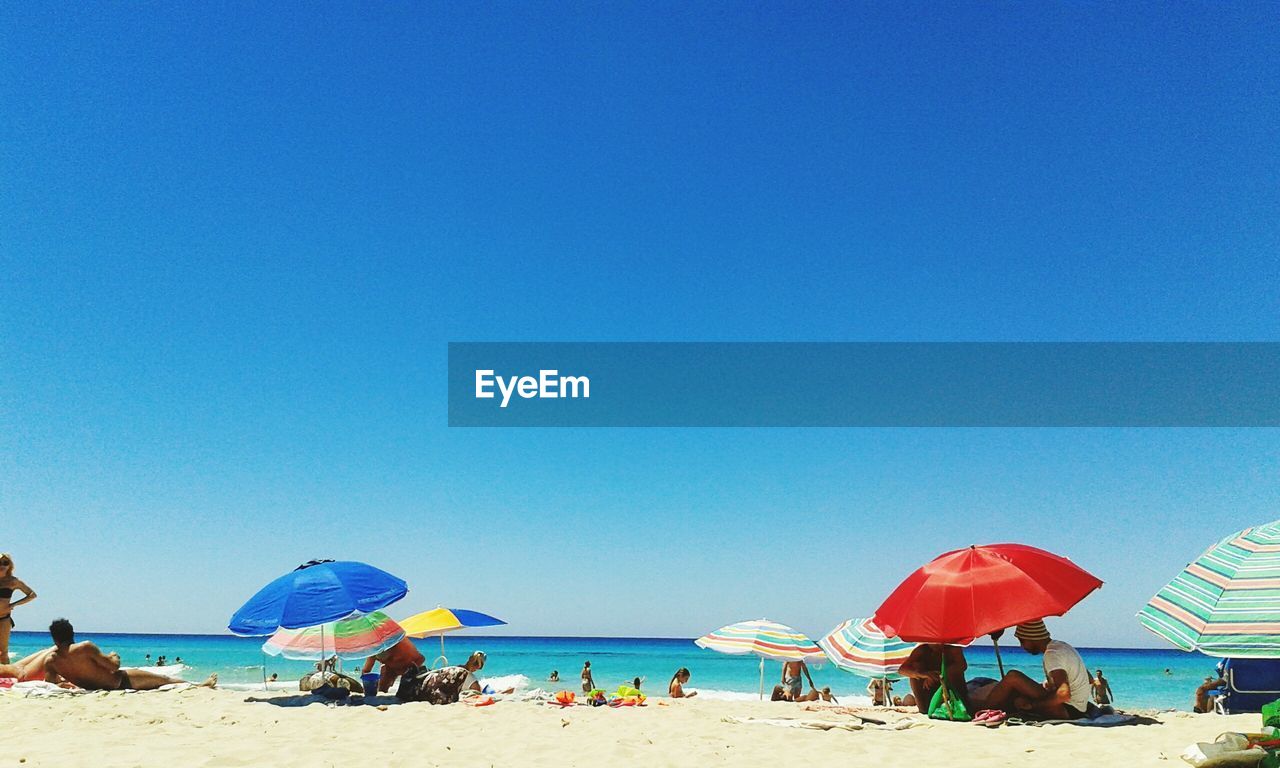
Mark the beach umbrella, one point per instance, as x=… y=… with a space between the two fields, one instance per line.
x=357 y=636
x=441 y=621
x=316 y=593
x=764 y=638
x=968 y=593
x=858 y=646
x=1226 y=602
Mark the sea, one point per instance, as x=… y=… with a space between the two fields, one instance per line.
x=1140 y=678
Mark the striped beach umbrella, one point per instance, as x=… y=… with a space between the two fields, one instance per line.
x=764 y=638
x=1226 y=602
x=858 y=646
x=358 y=636
x=441 y=621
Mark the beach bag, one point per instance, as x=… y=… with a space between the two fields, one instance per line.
x=946 y=705
x=1229 y=750
x=410 y=682
x=1271 y=714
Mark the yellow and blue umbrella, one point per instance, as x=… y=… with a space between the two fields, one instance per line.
x=440 y=621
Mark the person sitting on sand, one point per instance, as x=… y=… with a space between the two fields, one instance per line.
x=791 y=671
x=781 y=693
x=828 y=696
x=396 y=660
x=87 y=667
x=446 y=685
x=675 y=688
x=880 y=690
x=588 y=682
x=1064 y=694
x=923 y=671
x=1102 y=695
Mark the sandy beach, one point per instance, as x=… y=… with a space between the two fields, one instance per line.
x=221 y=728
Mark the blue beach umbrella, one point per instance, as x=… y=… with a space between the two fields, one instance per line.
x=318 y=592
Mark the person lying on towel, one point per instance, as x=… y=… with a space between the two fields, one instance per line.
x=83 y=665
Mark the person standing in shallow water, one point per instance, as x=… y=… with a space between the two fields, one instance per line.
x=588 y=682
x=8 y=585
x=1102 y=695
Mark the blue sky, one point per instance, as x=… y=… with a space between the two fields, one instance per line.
x=234 y=243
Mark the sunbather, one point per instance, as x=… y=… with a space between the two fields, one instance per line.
x=29 y=668
x=923 y=671
x=675 y=688
x=82 y=664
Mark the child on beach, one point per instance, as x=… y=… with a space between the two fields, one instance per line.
x=675 y=688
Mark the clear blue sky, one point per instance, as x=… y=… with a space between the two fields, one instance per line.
x=234 y=242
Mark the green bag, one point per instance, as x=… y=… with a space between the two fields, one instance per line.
x=946 y=705
x=1271 y=714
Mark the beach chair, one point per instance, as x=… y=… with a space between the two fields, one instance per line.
x=1251 y=683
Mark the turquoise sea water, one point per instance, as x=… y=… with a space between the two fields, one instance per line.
x=1138 y=676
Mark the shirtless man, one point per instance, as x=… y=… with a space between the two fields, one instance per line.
x=84 y=665
x=396 y=660
x=791 y=682
x=923 y=671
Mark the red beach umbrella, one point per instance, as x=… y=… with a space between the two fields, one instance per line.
x=968 y=593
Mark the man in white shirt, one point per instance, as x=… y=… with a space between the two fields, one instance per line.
x=1064 y=694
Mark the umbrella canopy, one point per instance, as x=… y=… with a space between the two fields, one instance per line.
x=318 y=592
x=766 y=639
x=859 y=646
x=358 y=636
x=1227 y=602
x=438 y=621
x=972 y=592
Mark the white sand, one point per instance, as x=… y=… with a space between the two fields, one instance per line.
x=219 y=728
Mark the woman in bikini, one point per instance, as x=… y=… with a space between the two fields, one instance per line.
x=8 y=585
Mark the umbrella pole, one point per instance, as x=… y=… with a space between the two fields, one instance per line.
x=995 y=643
x=762 y=678
x=446 y=661
x=264 y=670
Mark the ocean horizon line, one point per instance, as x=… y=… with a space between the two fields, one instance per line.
x=1011 y=645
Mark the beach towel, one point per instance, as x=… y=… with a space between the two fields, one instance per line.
x=827 y=725
x=1110 y=720
x=40 y=689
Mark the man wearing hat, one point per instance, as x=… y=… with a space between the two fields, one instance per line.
x=1064 y=694
x=1066 y=683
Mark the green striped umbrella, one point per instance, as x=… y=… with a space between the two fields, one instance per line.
x=1226 y=602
